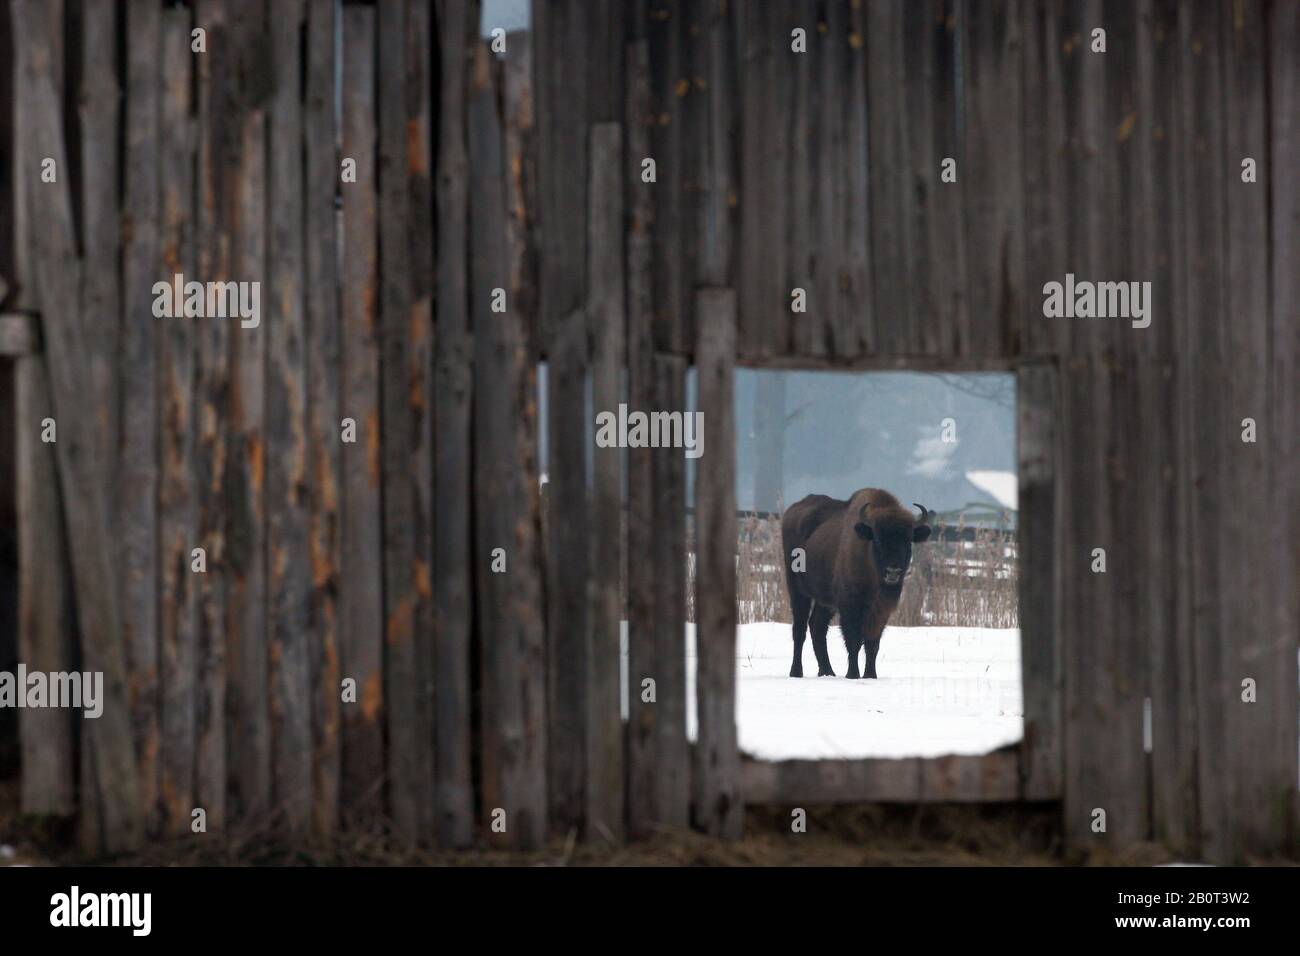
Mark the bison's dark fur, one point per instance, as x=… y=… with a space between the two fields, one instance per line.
x=856 y=554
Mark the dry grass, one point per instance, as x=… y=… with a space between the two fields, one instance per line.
x=966 y=583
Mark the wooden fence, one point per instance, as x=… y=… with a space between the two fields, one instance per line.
x=485 y=697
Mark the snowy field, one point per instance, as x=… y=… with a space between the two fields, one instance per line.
x=941 y=690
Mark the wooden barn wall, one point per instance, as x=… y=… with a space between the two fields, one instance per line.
x=502 y=213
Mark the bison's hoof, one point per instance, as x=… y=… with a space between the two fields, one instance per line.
x=826 y=673
x=796 y=672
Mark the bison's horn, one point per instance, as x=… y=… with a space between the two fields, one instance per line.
x=926 y=514
x=862 y=514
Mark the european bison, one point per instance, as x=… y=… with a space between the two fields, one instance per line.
x=856 y=554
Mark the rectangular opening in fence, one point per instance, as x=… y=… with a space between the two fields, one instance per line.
x=877 y=573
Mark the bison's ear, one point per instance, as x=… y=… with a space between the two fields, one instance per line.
x=864 y=530
x=921 y=533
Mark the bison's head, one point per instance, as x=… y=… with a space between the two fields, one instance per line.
x=891 y=536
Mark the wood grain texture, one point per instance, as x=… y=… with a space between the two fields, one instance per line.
x=510 y=599
x=716 y=793
x=324 y=383
x=178 y=529
x=135 y=477
x=288 y=579
x=112 y=767
x=642 y=800
x=453 y=371
x=956 y=779
x=248 y=717
x=606 y=319
x=361 y=613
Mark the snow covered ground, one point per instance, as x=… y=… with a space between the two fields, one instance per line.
x=941 y=690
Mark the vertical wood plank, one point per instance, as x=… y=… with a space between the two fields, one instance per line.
x=765 y=291
x=244 y=488
x=1039 y=543
x=323 y=391
x=53 y=260
x=642 y=803
x=218 y=166
x=562 y=173
x=453 y=369
x=136 y=475
x=606 y=318
x=419 y=466
x=668 y=552
x=991 y=169
x=719 y=805
x=1162 y=256
x=44 y=626
x=288 y=581
x=177 y=492
x=939 y=260
x=1264 y=773
x=405 y=336
x=1284 y=131
x=1206 y=421
x=521 y=182
x=361 y=649
x=560 y=64
x=889 y=186
x=510 y=602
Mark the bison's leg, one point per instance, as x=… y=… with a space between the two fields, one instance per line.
x=801 y=605
x=851 y=625
x=821 y=621
x=872 y=644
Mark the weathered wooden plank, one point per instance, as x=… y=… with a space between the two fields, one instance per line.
x=136 y=474
x=405 y=334
x=668 y=552
x=1283 y=401
x=855 y=322
x=716 y=792
x=1039 y=543
x=247 y=690
x=642 y=716
x=98 y=105
x=1263 y=772
x=419 y=358
x=939 y=256
x=562 y=177
x=53 y=260
x=991 y=169
x=177 y=493
x=809 y=332
x=323 y=390
x=453 y=369
x=361 y=613
x=506 y=521
x=679 y=104
x=46 y=735
x=288 y=581
x=891 y=226
x=218 y=165
x=1206 y=423
x=713 y=74
x=766 y=101
x=606 y=319
x=1043 y=168
x=521 y=182
x=990 y=777
x=1161 y=254
x=561 y=87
